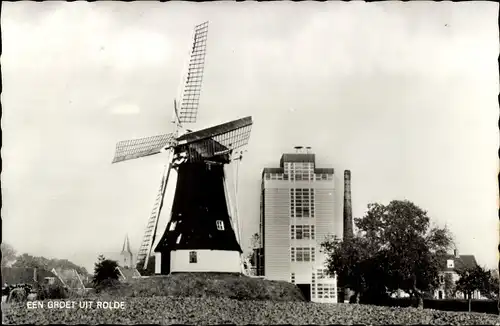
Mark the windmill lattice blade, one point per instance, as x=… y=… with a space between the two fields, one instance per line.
x=149 y=234
x=135 y=148
x=216 y=140
x=192 y=88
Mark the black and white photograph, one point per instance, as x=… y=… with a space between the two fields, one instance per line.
x=264 y=163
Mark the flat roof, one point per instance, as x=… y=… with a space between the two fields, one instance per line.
x=297 y=158
x=316 y=171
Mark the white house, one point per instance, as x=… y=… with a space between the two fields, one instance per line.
x=450 y=266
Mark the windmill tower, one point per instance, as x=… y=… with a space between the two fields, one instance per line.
x=127 y=253
x=200 y=233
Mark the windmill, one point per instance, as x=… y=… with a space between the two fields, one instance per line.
x=200 y=234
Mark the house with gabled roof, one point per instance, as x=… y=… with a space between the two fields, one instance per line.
x=128 y=273
x=26 y=275
x=451 y=264
x=70 y=278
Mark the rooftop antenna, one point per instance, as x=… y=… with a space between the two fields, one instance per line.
x=298 y=149
x=308 y=149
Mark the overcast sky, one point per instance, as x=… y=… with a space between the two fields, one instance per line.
x=402 y=94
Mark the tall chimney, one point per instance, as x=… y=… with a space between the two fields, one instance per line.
x=348 y=232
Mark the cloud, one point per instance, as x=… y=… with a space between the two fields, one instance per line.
x=125 y=109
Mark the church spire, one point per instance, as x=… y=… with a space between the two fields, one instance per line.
x=127 y=253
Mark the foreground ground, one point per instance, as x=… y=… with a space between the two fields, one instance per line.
x=221 y=299
x=212 y=310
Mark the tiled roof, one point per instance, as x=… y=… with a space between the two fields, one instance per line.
x=460 y=262
x=16 y=275
x=70 y=278
x=129 y=273
x=469 y=261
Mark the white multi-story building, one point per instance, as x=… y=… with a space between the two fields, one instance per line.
x=297 y=213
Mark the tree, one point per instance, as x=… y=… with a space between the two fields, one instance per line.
x=66 y=264
x=398 y=247
x=473 y=279
x=449 y=286
x=356 y=263
x=255 y=241
x=28 y=261
x=8 y=254
x=494 y=292
x=105 y=272
x=255 y=245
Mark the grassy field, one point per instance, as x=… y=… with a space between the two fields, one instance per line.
x=212 y=310
x=222 y=299
x=202 y=285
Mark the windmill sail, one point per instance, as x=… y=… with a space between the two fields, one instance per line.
x=217 y=140
x=149 y=235
x=135 y=148
x=190 y=97
x=199 y=211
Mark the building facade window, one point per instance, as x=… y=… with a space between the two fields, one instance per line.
x=326 y=291
x=302 y=202
x=275 y=176
x=313 y=286
x=299 y=232
x=193 y=257
x=50 y=280
x=220 y=225
x=300 y=171
x=302 y=254
x=292 y=278
x=323 y=177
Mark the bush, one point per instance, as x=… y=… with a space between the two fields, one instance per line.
x=107 y=285
x=104 y=271
x=52 y=291
x=17 y=295
x=482 y=306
